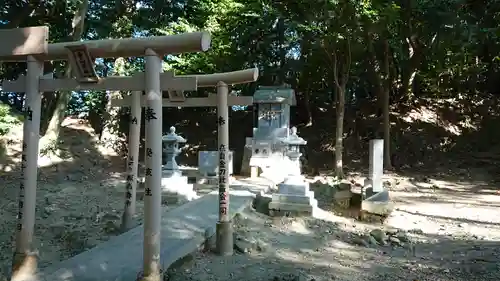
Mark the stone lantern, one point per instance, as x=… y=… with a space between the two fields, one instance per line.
x=294 y=196
x=172 y=181
x=171 y=143
x=293 y=143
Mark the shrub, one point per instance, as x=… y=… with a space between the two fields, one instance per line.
x=7 y=119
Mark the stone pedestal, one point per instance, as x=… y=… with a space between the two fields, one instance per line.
x=294 y=196
x=173 y=183
x=208 y=167
x=208 y=163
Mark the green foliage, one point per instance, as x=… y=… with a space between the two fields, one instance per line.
x=446 y=47
x=7 y=119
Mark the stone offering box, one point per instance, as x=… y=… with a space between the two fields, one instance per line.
x=208 y=163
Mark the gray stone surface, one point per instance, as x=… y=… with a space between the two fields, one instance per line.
x=294 y=199
x=376 y=165
x=208 y=162
x=183 y=231
x=379 y=204
x=265 y=149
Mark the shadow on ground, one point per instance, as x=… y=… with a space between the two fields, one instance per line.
x=334 y=249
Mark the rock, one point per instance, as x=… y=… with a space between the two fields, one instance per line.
x=361 y=240
x=244 y=245
x=379 y=235
x=416 y=231
x=391 y=231
x=261 y=203
x=402 y=236
x=395 y=241
x=372 y=240
x=110 y=227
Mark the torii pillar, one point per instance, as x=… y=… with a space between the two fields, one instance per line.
x=222 y=100
x=30 y=44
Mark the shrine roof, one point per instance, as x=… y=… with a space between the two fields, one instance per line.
x=274 y=94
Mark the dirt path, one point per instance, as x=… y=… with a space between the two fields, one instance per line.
x=432 y=239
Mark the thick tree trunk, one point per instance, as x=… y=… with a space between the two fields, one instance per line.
x=54 y=127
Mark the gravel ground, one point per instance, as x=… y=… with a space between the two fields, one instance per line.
x=80 y=196
x=421 y=240
x=71 y=217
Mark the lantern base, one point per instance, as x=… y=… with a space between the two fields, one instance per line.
x=178 y=186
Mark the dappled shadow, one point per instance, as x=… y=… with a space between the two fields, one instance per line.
x=315 y=249
x=183 y=230
x=71 y=194
x=427 y=135
x=461 y=220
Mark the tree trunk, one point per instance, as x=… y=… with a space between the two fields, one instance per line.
x=54 y=127
x=386 y=108
x=304 y=83
x=109 y=136
x=341 y=71
x=382 y=79
x=282 y=50
x=409 y=70
x=339 y=132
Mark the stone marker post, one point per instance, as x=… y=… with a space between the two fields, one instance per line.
x=376 y=166
x=132 y=160
x=224 y=232
x=29 y=166
x=152 y=192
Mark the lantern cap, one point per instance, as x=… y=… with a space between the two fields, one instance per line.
x=173 y=137
x=293 y=138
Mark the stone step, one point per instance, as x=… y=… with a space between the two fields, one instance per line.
x=292 y=198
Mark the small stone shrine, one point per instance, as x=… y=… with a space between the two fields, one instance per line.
x=208 y=166
x=172 y=180
x=293 y=195
x=264 y=151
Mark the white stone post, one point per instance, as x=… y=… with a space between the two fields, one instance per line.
x=376 y=165
x=29 y=165
x=152 y=198
x=224 y=235
x=132 y=160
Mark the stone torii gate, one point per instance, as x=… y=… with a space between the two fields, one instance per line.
x=30 y=45
x=224 y=237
